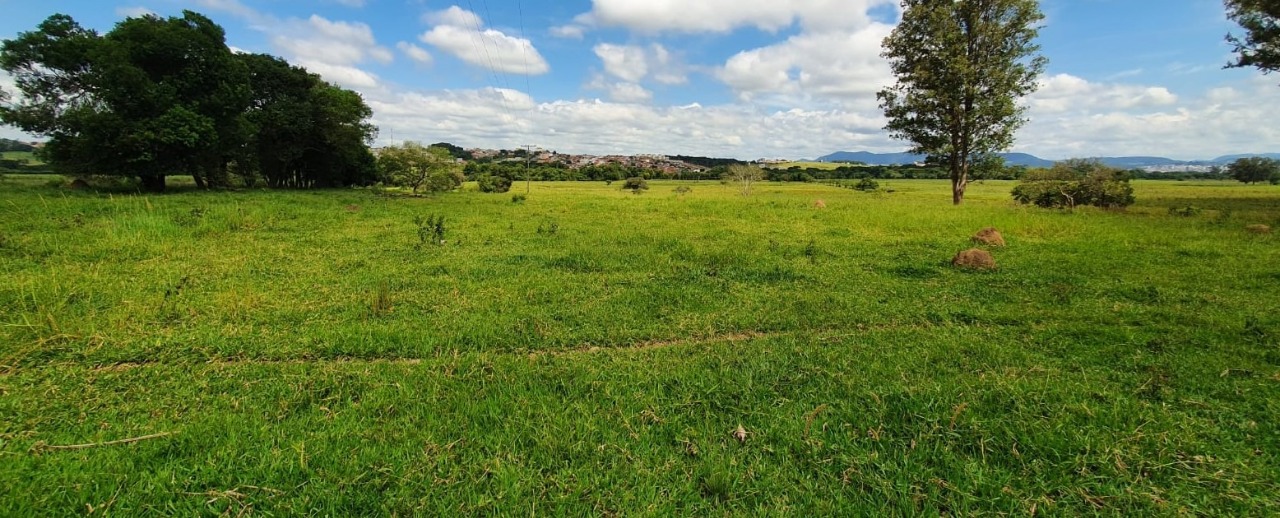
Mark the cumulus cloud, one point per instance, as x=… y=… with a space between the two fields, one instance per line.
x=654 y=16
x=632 y=63
x=332 y=49
x=461 y=33
x=417 y=54
x=623 y=92
x=1073 y=117
x=826 y=64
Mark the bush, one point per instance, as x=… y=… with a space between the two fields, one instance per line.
x=518 y=198
x=866 y=184
x=636 y=184
x=1075 y=182
x=491 y=183
x=443 y=181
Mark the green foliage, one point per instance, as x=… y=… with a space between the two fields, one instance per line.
x=636 y=184
x=431 y=230
x=165 y=96
x=1254 y=169
x=961 y=67
x=429 y=169
x=866 y=184
x=1185 y=212
x=492 y=183
x=1075 y=182
x=518 y=198
x=1260 y=46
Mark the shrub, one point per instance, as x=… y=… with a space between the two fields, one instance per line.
x=1075 y=182
x=636 y=184
x=866 y=184
x=518 y=198
x=682 y=190
x=443 y=181
x=491 y=183
x=430 y=230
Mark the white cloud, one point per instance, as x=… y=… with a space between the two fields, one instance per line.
x=1073 y=117
x=332 y=49
x=1065 y=92
x=455 y=16
x=461 y=33
x=571 y=31
x=725 y=15
x=634 y=63
x=133 y=12
x=415 y=53
x=838 y=65
x=623 y=92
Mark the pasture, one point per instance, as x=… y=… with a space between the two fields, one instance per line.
x=591 y=351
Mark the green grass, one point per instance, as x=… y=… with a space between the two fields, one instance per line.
x=309 y=353
x=21 y=155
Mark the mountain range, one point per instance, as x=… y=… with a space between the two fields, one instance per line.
x=1024 y=159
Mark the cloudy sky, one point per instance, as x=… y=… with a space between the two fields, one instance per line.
x=736 y=78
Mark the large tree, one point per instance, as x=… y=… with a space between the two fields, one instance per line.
x=151 y=98
x=961 y=66
x=166 y=96
x=1254 y=169
x=1260 y=45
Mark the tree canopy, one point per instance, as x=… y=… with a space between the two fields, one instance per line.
x=166 y=96
x=1255 y=169
x=1260 y=45
x=961 y=66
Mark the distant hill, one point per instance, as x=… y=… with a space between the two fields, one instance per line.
x=1024 y=159
x=1232 y=158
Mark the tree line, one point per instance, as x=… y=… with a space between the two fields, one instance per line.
x=156 y=97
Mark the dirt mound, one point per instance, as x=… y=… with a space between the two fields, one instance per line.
x=819 y=204
x=1258 y=229
x=974 y=259
x=79 y=184
x=989 y=236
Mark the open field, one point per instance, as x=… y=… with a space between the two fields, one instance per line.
x=590 y=351
x=826 y=166
x=21 y=155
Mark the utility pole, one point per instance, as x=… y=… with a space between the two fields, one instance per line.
x=528 y=155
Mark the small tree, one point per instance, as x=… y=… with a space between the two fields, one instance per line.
x=961 y=67
x=636 y=184
x=1254 y=169
x=1075 y=182
x=1260 y=46
x=744 y=175
x=411 y=165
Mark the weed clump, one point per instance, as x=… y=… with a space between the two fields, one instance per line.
x=988 y=236
x=974 y=259
x=1184 y=212
x=430 y=230
x=518 y=198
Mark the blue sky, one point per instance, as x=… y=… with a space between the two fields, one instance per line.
x=740 y=78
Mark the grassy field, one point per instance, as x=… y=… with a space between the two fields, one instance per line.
x=827 y=166
x=21 y=155
x=590 y=351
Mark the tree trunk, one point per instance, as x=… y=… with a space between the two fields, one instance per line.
x=152 y=183
x=957 y=190
x=199 y=178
